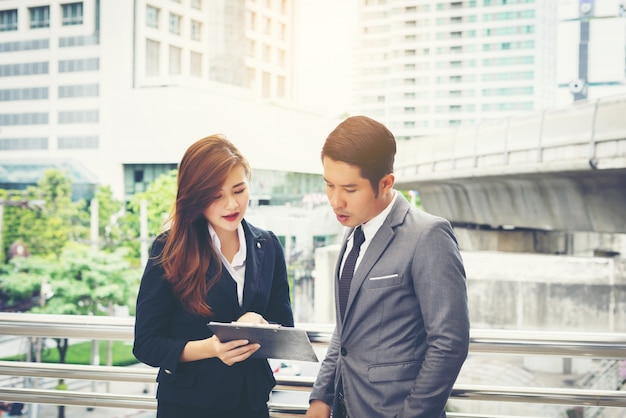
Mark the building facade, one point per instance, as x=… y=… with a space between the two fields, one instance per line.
x=423 y=66
x=114 y=91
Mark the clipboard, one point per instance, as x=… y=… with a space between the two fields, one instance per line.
x=277 y=342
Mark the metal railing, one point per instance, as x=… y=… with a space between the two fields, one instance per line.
x=592 y=345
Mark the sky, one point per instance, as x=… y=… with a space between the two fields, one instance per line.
x=322 y=53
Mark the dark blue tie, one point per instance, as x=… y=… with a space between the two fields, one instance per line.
x=348 y=269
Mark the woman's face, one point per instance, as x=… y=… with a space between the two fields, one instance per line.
x=229 y=205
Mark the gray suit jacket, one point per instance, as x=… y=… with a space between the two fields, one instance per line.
x=406 y=329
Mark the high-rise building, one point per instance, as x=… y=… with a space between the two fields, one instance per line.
x=423 y=66
x=115 y=90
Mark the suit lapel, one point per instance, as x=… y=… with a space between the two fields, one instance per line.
x=376 y=248
x=255 y=251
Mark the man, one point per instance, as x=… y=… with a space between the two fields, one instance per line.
x=403 y=335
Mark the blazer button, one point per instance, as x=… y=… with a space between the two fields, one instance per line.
x=167 y=371
x=344 y=351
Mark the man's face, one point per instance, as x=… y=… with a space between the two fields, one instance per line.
x=351 y=196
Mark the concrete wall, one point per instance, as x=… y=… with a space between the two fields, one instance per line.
x=583 y=201
x=520 y=291
x=581 y=244
x=543 y=292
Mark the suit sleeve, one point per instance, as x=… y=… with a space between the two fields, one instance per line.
x=440 y=286
x=324 y=386
x=156 y=303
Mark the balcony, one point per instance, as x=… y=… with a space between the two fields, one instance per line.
x=290 y=395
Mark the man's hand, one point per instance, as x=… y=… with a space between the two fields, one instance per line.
x=318 y=409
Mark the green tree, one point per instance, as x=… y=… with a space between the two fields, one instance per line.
x=160 y=197
x=412 y=195
x=21 y=281
x=44 y=217
x=109 y=209
x=87 y=282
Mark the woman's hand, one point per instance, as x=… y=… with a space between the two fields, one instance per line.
x=252 y=318
x=231 y=352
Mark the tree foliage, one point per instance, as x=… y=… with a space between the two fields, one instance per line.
x=109 y=211
x=44 y=218
x=79 y=282
x=55 y=230
x=160 y=197
x=87 y=282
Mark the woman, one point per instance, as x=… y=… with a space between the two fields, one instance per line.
x=211 y=265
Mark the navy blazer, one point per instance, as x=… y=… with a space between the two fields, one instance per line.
x=163 y=327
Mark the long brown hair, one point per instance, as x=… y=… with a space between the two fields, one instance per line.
x=189 y=251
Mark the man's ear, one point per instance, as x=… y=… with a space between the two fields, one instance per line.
x=386 y=183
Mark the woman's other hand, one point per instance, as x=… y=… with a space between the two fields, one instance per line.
x=252 y=318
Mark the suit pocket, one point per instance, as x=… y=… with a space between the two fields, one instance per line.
x=394 y=372
x=185 y=377
x=376 y=282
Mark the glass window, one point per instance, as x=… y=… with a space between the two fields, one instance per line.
x=281 y=87
x=31 y=118
x=152 y=17
x=72 y=13
x=266 y=86
x=39 y=17
x=71 y=41
x=175 y=60
x=23 y=143
x=282 y=57
x=79 y=116
x=79 y=90
x=78 y=65
x=26 y=93
x=195 y=64
x=251 y=20
x=8 y=20
x=196 y=30
x=196 y=4
x=152 y=57
x=267 y=53
x=78 y=142
x=175 y=24
x=30 y=68
x=267 y=26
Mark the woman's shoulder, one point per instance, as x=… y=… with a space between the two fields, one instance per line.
x=256 y=232
x=159 y=242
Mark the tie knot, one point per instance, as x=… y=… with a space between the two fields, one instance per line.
x=358 y=237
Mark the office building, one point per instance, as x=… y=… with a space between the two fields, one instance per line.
x=114 y=91
x=424 y=66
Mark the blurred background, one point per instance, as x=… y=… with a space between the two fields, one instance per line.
x=509 y=116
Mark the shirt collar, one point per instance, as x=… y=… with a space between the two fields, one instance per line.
x=240 y=257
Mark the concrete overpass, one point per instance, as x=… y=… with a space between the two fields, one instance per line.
x=560 y=169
